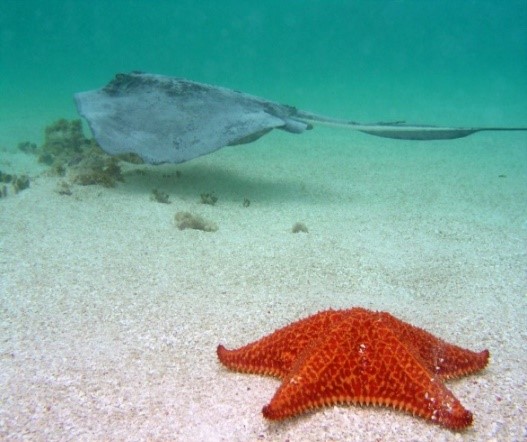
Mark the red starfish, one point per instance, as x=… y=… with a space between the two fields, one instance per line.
x=359 y=356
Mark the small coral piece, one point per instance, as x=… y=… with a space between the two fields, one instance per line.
x=20 y=183
x=64 y=188
x=99 y=170
x=160 y=196
x=299 y=227
x=27 y=147
x=187 y=220
x=209 y=198
x=6 y=177
x=64 y=138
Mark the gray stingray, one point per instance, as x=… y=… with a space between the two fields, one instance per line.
x=165 y=119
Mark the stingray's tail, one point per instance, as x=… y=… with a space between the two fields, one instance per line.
x=400 y=130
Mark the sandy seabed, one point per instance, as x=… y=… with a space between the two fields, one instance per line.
x=110 y=316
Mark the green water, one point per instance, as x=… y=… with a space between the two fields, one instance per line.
x=448 y=62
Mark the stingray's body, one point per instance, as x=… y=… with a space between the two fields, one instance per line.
x=166 y=119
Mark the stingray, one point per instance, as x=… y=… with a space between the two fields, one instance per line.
x=171 y=120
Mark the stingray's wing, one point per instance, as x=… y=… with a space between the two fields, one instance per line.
x=400 y=130
x=166 y=119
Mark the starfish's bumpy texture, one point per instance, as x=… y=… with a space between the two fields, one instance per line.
x=359 y=356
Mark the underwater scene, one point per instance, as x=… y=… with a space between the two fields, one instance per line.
x=263 y=221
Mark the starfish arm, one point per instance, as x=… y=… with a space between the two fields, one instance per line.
x=447 y=360
x=274 y=354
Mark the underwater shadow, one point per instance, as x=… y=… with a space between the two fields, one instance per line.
x=190 y=181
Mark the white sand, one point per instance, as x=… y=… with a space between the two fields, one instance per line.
x=110 y=316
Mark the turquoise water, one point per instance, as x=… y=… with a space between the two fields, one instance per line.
x=110 y=314
x=446 y=62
